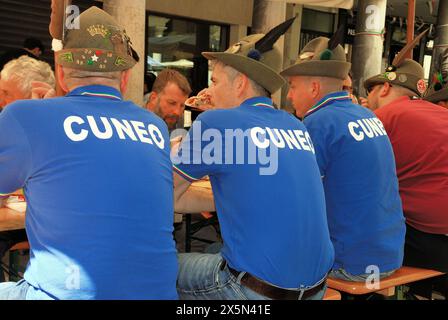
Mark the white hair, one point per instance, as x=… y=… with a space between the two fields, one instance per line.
x=25 y=70
x=75 y=77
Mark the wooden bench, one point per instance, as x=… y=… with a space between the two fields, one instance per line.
x=402 y=276
x=24 y=245
x=331 y=294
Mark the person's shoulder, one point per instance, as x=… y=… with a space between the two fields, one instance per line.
x=217 y=116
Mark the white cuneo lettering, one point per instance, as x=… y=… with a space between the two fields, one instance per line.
x=254 y=132
x=71 y=134
x=78 y=129
x=359 y=136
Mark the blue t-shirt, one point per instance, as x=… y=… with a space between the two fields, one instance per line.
x=270 y=200
x=357 y=165
x=97 y=178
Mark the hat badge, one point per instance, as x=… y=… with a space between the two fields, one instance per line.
x=421 y=86
x=98 y=30
x=391 y=76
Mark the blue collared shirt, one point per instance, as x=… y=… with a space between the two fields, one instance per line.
x=357 y=164
x=98 y=182
x=270 y=201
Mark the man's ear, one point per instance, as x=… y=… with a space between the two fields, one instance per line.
x=61 y=78
x=385 y=89
x=315 y=89
x=125 y=81
x=241 y=82
x=152 y=101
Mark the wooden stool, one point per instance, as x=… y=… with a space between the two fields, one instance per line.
x=402 y=276
x=24 y=245
x=331 y=294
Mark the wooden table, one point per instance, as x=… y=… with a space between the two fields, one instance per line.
x=11 y=219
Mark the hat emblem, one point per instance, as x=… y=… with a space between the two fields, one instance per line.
x=391 y=76
x=98 y=30
x=421 y=86
x=67 y=57
x=402 y=78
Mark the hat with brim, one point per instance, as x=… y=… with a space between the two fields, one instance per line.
x=259 y=71
x=435 y=96
x=317 y=60
x=403 y=72
x=99 y=45
x=409 y=74
x=257 y=57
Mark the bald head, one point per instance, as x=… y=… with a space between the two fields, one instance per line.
x=305 y=92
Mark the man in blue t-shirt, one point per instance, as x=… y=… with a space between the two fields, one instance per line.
x=97 y=177
x=266 y=185
x=356 y=162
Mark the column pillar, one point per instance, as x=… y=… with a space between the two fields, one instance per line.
x=368 y=43
x=131 y=15
x=268 y=14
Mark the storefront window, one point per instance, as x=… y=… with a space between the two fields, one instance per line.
x=177 y=43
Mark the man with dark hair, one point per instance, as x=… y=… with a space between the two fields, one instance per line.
x=31 y=47
x=167 y=99
x=418 y=131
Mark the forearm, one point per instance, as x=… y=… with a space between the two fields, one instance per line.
x=195 y=200
x=11 y=219
x=190 y=198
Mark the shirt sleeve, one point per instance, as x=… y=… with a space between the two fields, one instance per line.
x=200 y=153
x=15 y=154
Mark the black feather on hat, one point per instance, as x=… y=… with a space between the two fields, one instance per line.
x=257 y=57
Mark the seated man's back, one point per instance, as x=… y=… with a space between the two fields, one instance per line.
x=99 y=216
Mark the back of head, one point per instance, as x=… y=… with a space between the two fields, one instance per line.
x=99 y=45
x=25 y=70
x=167 y=76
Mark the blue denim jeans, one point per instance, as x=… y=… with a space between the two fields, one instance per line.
x=342 y=274
x=14 y=290
x=201 y=277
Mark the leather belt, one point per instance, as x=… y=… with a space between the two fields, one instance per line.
x=271 y=291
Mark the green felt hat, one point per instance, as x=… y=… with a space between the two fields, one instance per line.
x=99 y=45
x=318 y=60
x=438 y=91
x=256 y=57
x=403 y=72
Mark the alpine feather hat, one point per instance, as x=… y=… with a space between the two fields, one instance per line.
x=100 y=44
x=403 y=72
x=256 y=57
